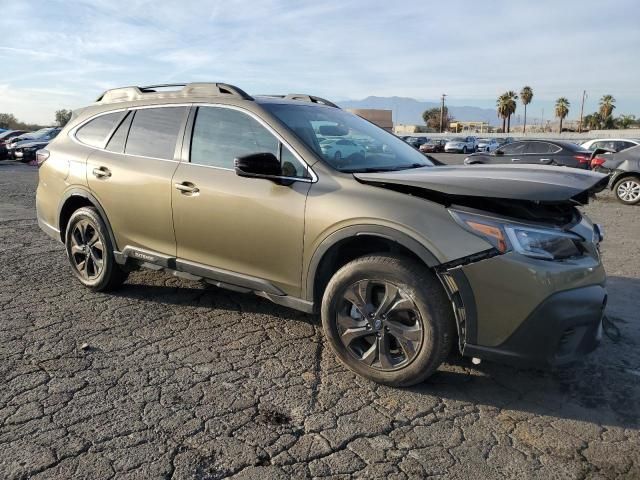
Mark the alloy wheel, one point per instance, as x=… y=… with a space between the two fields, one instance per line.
x=86 y=250
x=629 y=190
x=379 y=324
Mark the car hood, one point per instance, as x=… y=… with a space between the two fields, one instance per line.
x=537 y=183
x=32 y=143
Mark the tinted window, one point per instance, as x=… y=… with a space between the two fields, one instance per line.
x=116 y=144
x=95 y=132
x=540 y=148
x=154 y=132
x=516 y=148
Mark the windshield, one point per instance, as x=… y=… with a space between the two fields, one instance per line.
x=458 y=139
x=347 y=142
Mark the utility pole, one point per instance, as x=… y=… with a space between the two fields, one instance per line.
x=442 y=112
x=542 y=120
x=584 y=94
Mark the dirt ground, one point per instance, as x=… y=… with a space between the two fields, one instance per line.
x=177 y=380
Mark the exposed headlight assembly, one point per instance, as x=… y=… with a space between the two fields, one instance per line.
x=532 y=241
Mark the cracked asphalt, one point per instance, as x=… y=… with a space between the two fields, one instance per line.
x=170 y=379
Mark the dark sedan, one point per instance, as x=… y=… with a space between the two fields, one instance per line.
x=540 y=152
x=42 y=135
x=416 y=142
x=25 y=151
x=433 y=146
x=5 y=138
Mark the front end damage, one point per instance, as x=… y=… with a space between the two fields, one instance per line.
x=537 y=296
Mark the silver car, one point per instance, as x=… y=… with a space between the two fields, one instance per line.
x=487 y=145
x=461 y=145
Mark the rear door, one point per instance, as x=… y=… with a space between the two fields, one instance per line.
x=131 y=177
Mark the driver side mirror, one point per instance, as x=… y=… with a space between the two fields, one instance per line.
x=260 y=165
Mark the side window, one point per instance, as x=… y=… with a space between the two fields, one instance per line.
x=514 y=148
x=95 y=132
x=539 y=147
x=118 y=139
x=222 y=134
x=154 y=132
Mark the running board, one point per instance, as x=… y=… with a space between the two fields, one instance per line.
x=215 y=276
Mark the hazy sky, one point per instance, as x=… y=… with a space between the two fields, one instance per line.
x=63 y=54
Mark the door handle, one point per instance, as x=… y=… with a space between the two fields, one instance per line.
x=515 y=159
x=186 y=187
x=545 y=160
x=101 y=172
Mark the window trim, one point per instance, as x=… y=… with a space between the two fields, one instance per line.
x=189 y=135
x=72 y=132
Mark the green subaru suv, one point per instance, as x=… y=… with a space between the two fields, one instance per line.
x=316 y=209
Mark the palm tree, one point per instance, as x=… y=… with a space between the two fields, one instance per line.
x=526 y=95
x=607 y=104
x=511 y=98
x=503 y=110
x=562 y=110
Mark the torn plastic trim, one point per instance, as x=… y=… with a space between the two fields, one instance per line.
x=461 y=296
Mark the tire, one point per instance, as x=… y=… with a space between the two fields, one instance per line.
x=627 y=190
x=464 y=150
x=416 y=335
x=87 y=233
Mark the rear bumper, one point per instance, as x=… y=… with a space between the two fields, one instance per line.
x=562 y=329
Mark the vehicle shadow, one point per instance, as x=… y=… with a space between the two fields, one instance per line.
x=602 y=389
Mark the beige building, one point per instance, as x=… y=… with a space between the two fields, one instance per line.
x=382 y=118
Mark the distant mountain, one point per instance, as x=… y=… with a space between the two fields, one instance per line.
x=409 y=110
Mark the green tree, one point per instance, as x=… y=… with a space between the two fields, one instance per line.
x=8 y=120
x=625 y=121
x=562 y=110
x=503 y=110
x=431 y=118
x=526 y=95
x=63 y=116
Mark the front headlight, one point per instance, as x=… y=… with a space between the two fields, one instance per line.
x=535 y=242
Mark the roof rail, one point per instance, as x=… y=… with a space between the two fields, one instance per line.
x=310 y=98
x=124 y=94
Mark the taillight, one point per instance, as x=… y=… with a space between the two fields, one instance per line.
x=597 y=161
x=582 y=158
x=41 y=156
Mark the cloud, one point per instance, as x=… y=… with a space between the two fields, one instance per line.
x=335 y=48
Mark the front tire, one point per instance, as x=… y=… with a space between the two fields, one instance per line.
x=90 y=252
x=464 y=150
x=388 y=319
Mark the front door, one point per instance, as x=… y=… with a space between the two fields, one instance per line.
x=242 y=227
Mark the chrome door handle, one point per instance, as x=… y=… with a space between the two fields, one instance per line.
x=515 y=159
x=101 y=172
x=186 y=187
x=546 y=160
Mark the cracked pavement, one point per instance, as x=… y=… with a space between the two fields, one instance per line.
x=179 y=380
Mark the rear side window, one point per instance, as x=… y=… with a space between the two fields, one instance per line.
x=541 y=147
x=95 y=132
x=119 y=138
x=154 y=132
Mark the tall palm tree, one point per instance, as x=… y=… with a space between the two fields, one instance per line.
x=607 y=104
x=503 y=110
x=526 y=95
x=562 y=110
x=511 y=97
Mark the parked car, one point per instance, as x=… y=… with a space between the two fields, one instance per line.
x=623 y=169
x=25 y=150
x=343 y=148
x=38 y=134
x=433 y=146
x=487 y=145
x=611 y=144
x=400 y=259
x=5 y=139
x=461 y=145
x=416 y=142
x=540 y=152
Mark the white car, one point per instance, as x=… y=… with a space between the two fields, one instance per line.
x=341 y=148
x=613 y=144
x=461 y=145
x=487 y=145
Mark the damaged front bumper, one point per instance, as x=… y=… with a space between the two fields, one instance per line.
x=513 y=311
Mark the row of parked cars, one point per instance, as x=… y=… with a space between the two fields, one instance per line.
x=22 y=145
x=468 y=144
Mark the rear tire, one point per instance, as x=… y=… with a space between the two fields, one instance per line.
x=464 y=150
x=627 y=190
x=388 y=319
x=90 y=251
